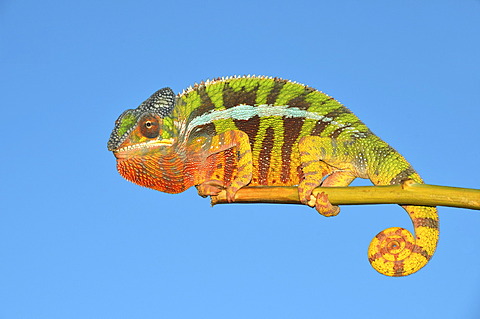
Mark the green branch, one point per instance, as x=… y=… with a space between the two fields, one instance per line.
x=408 y=193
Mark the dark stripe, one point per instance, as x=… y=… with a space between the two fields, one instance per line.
x=321 y=125
x=381 y=236
x=425 y=222
x=398 y=268
x=340 y=110
x=421 y=251
x=319 y=128
x=207 y=104
x=277 y=87
x=233 y=98
x=291 y=131
x=299 y=101
x=338 y=131
x=401 y=176
x=206 y=101
x=376 y=256
x=265 y=156
x=250 y=127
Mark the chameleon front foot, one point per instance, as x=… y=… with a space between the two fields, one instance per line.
x=214 y=187
x=210 y=188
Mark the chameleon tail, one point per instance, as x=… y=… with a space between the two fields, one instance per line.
x=395 y=251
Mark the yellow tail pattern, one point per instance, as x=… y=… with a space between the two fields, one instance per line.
x=396 y=252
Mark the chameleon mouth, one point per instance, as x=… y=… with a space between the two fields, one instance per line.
x=130 y=149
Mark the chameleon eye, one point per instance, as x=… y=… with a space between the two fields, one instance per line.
x=149 y=126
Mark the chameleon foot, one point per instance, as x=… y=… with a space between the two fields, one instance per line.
x=305 y=193
x=323 y=205
x=214 y=187
x=210 y=188
x=231 y=191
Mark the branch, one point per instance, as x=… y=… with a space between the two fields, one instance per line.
x=408 y=193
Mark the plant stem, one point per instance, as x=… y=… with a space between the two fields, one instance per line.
x=407 y=193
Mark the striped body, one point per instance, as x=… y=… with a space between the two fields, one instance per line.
x=238 y=131
x=275 y=114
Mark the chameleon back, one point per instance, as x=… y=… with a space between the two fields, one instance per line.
x=274 y=113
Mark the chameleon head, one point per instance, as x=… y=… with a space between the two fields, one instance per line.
x=147 y=129
x=144 y=142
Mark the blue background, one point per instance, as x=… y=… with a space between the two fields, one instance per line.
x=78 y=241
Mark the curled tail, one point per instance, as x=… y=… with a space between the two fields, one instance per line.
x=395 y=251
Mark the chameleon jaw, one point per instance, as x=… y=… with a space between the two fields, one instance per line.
x=131 y=149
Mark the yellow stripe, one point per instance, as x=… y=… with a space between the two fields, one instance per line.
x=191 y=102
x=341 y=118
x=289 y=91
x=247 y=84
x=215 y=93
x=276 y=123
x=321 y=103
x=264 y=89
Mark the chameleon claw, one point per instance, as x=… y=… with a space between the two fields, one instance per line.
x=312 y=202
x=323 y=205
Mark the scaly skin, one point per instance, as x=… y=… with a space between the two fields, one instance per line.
x=238 y=131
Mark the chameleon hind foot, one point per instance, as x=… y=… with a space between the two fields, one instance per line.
x=321 y=202
x=323 y=206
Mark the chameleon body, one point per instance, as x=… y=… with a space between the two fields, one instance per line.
x=231 y=132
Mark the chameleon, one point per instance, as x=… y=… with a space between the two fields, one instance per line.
x=230 y=132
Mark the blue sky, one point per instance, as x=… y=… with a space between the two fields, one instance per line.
x=78 y=241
